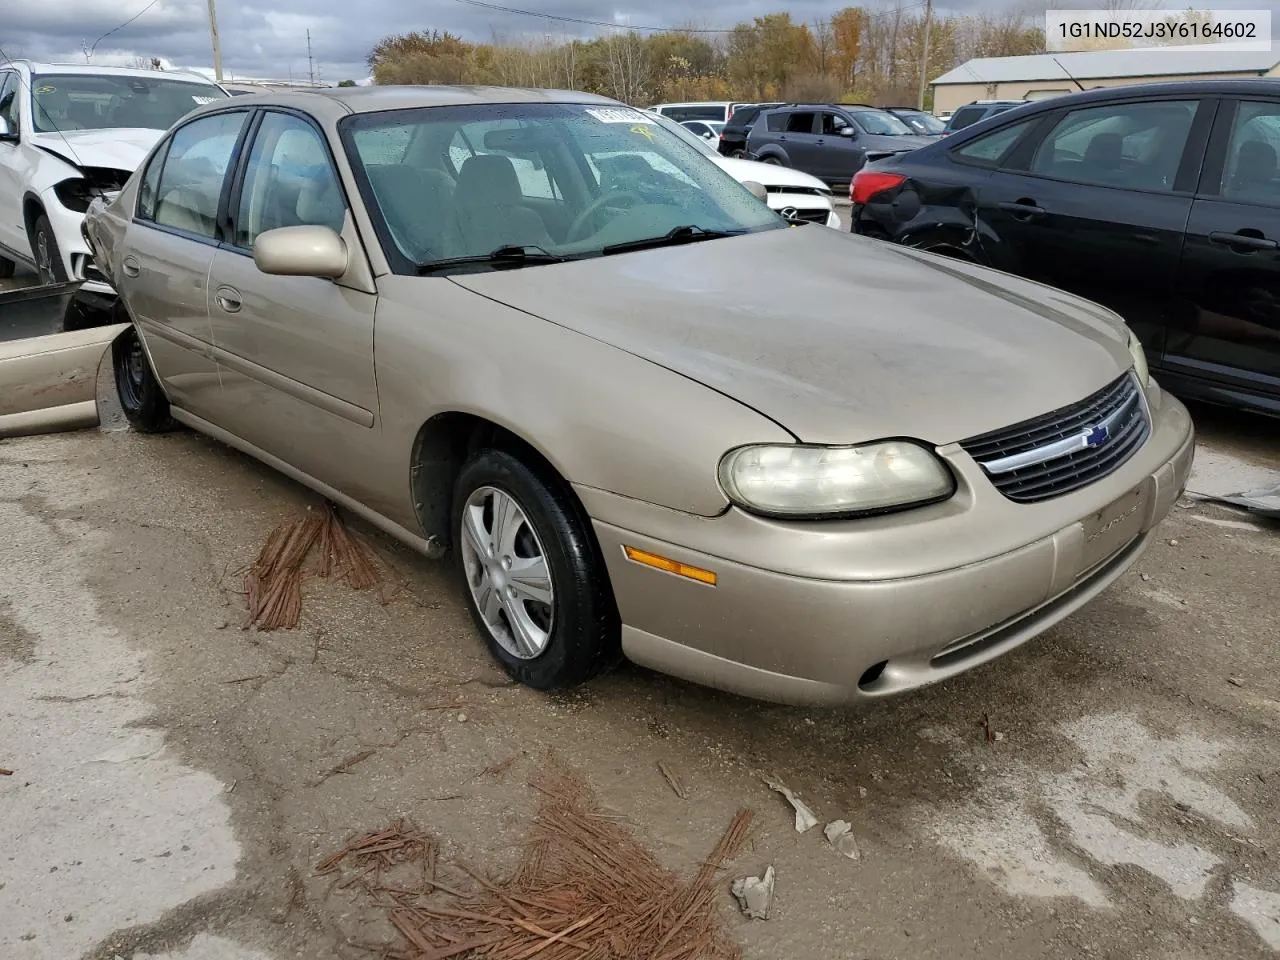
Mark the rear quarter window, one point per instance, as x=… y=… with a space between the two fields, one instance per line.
x=990 y=148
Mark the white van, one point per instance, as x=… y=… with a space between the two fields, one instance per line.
x=718 y=111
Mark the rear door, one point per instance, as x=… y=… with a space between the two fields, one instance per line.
x=1096 y=203
x=799 y=138
x=1228 y=327
x=169 y=246
x=295 y=353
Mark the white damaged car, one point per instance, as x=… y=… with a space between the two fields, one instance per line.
x=796 y=195
x=70 y=133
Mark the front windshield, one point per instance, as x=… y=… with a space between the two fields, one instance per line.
x=685 y=134
x=560 y=180
x=86 y=101
x=923 y=122
x=879 y=123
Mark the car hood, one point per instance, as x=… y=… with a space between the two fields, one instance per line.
x=837 y=338
x=120 y=149
x=769 y=174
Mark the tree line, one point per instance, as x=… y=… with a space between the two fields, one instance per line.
x=857 y=54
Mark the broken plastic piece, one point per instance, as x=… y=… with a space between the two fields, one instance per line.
x=755 y=894
x=840 y=835
x=805 y=819
x=1264 y=502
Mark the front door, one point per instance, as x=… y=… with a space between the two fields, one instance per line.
x=171 y=243
x=295 y=353
x=1097 y=206
x=1228 y=329
x=13 y=168
x=839 y=153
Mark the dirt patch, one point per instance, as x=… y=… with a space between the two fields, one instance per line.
x=585 y=888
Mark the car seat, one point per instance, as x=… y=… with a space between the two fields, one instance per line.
x=489 y=211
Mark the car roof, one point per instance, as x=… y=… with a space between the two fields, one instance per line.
x=39 y=67
x=1243 y=86
x=335 y=102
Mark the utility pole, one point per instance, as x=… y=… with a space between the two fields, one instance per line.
x=217 y=47
x=311 y=67
x=924 y=61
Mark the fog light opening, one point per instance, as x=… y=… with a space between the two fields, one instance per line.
x=871 y=675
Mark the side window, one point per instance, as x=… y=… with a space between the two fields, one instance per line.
x=148 y=189
x=776 y=122
x=12 y=83
x=1251 y=174
x=289 y=181
x=377 y=147
x=966 y=116
x=833 y=123
x=1133 y=145
x=991 y=148
x=800 y=123
x=191 y=182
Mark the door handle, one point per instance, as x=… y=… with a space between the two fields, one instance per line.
x=821 y=141
x=131 y=267
x=1022 y=209
x=228 y=299
x=1241 y=242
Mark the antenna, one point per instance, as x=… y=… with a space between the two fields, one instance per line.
x=311 y=67
x=1068 y=73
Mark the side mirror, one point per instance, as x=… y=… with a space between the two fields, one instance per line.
x=708 y=135
x=757 y=189
x=306 y=251
x=7 y=133
x=848 y=132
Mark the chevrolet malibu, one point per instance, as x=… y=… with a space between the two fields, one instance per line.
x=507 y=326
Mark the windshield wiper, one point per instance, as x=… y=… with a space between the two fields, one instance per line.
x=687 y=233
x=508 y=255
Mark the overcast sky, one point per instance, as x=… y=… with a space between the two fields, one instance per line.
x=267 y=38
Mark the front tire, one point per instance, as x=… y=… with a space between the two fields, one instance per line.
x=44 y=247
x=141 y=398
x=536 y=584
x=7 y=268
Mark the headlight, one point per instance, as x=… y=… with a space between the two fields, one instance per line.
x=1139 y=361
x=818 y=481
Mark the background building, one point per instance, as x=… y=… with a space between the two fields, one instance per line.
x=1052 y=74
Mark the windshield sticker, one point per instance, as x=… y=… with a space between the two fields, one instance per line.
x=46 y=88
x=618 y=115
x=643 y=130
x=204 y=100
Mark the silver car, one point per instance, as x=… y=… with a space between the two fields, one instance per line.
x=539 y=333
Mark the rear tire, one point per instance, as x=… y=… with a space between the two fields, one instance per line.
x=536 y=583
x=44 y=247
x=773 y=161
x=141 y=398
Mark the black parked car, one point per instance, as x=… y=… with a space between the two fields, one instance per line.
x=920 y=121
x=733 y=138
x=972 y=113
x=1160 y=201
x=829 y=141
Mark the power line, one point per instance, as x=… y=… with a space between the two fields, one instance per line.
x=94 y=46
x=628 y=26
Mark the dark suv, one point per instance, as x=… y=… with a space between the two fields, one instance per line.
x=972 y=113
x=733 y=138
x=1159 y=201
x=829 y=141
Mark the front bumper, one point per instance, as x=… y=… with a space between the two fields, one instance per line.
x=811 y=208
x=77 y=258
x=786 y=622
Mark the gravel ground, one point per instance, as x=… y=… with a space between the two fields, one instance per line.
x=176 y=779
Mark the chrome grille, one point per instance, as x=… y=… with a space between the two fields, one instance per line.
x=813 y=216
x=1067 y=449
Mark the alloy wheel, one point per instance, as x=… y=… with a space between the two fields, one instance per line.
x=507 y=572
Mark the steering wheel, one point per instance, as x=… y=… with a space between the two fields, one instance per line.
x=596 y=205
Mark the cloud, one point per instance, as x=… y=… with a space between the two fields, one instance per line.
x=268 y=38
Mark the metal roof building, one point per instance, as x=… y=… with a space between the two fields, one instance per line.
x=1045 y=75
